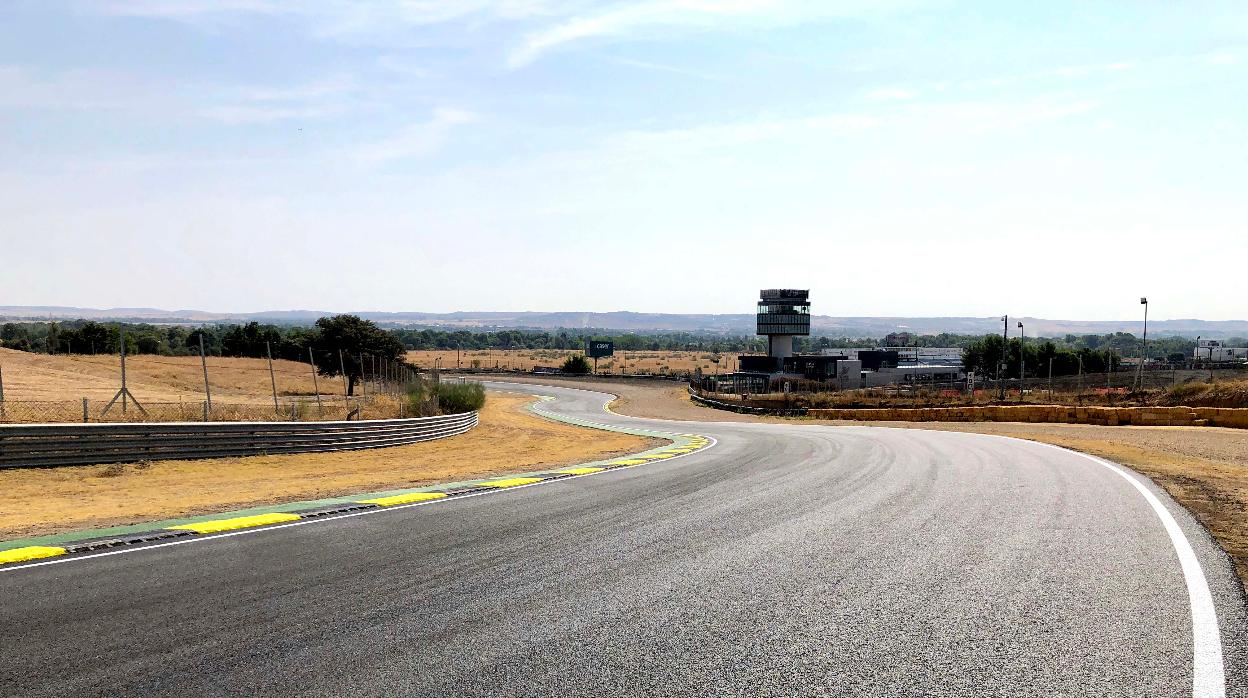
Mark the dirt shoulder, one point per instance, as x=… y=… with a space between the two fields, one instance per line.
x=509 y=439
x=1204 y=468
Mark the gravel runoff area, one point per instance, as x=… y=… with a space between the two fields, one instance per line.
x=1203 y=468
x=40 y=501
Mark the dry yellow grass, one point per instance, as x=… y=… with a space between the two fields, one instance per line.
x=623 y=361
x=30 y=376
x=509 y=439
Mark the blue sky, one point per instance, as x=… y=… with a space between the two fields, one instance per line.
x=898 y=158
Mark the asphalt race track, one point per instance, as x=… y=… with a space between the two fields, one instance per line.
x=786 y=560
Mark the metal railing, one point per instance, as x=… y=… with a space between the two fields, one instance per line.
x=44 y=445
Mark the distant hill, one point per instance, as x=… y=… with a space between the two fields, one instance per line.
x=736 y=323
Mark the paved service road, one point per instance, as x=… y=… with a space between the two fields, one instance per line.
x=786 y=560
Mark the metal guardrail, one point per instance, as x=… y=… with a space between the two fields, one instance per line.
x=46 y=445
x=746 y=409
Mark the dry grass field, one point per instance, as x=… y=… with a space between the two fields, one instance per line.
x=622 y=362
x=38 y=501
x=41 y=377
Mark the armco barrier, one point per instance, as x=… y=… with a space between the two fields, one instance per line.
x=36 y=445
x=746 y=409
x=1058 y=414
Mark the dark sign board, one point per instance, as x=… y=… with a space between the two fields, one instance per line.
x=595 y=349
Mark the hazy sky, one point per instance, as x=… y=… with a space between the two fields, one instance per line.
x=1052 y=159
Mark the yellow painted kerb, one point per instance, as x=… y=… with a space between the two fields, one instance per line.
x=31 y=552
x=630 y=461
x=408 y=498
x=580 y=471
x=239 y=522
x=512 y=482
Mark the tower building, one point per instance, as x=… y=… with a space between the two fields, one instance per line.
x=783 y=313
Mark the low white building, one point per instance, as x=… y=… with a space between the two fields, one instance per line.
x=940 y=356
x=1216 y=351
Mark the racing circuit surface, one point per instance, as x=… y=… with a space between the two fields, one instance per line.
x=786 y=560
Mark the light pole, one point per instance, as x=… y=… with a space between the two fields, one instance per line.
x=1005 y=348
x=1022 y=361
x=1139 y=372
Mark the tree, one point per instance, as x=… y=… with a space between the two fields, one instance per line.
x=354 y=337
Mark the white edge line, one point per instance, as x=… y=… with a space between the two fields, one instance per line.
x=1208 y=671
x=381 y=510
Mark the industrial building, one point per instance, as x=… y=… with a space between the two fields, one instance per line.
x=784 y=313
x=903 y=365
x=1216 y=351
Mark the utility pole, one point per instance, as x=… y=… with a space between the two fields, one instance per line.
x=1139 y=371
x=1005 y=349
x=1080 y=358
x=204 y=362
x=1050 y=379
x=315 y=387
x=268 y=349
x=1022 y=361
x=342 y=368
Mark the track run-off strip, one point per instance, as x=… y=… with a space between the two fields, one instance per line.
x=41 y=555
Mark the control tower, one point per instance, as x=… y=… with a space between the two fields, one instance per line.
x=783 y=313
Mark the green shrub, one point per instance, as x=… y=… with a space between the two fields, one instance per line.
x=454 y=398
x=576 y=364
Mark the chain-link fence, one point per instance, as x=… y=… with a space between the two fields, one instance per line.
x=1121 y=388
x=298 y=409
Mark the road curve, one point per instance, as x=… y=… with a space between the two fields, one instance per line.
x=787 y=560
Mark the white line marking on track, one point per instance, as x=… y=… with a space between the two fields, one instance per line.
x=1208 y=673
x=1208 y=670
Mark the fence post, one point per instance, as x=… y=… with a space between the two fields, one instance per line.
x=203 y=360
x=268 y=349
x=85 y=412
x=1 y=392
x=343 y=368
x=206 y=410
x=316 y=388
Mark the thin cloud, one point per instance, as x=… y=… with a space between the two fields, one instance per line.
x=415 y=140
x=695 y=14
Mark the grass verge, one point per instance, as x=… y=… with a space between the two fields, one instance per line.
x=38 y=501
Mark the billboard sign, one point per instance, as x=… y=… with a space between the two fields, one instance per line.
x=596 y=349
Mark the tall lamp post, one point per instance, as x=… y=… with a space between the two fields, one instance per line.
x=1139 y=371
x=1005 y=348
x=1022 y=361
